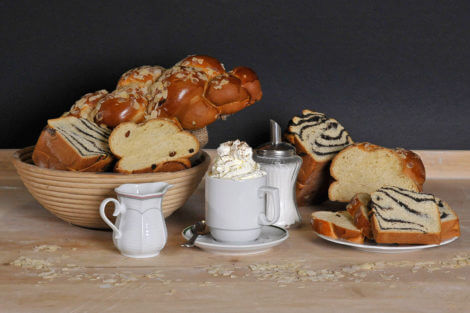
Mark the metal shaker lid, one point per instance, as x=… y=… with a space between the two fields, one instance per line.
x=276 y=148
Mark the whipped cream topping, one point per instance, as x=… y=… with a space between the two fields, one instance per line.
x=235 y=161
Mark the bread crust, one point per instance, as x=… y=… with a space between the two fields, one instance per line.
x=334 y=231
x=403 y=237
x=450 y=229
x=313 y=178
x=411 y=165
x=53 y=151
x=250 y=81
x=360 y=220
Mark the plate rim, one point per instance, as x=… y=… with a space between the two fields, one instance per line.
x=227 y=246
x=379 y=247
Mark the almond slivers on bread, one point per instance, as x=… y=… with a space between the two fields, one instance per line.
x=158 y=145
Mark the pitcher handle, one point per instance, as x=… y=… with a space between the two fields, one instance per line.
x=117 y=210
x=274 y=193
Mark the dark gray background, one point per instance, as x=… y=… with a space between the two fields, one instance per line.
x=395 y=73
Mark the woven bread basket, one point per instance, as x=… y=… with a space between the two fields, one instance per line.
x=76 y=196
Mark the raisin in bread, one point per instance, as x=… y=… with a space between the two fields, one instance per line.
x=75 y=144
x=404 y=216
x=336 y=225
x=317 y=140
x=364 y=167
x=158 y=145
x=450 y=227
x=359 y=209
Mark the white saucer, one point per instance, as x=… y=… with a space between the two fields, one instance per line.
x=270 y=236
x=384 y=248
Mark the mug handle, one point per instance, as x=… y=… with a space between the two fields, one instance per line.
x=274 y=192
x=118 y=208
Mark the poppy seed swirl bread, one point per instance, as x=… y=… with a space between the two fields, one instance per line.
x=74 y=144
x=317 y=140
x=364 y=168
x=405 y=216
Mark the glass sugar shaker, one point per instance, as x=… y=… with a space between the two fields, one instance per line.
x=279 y=161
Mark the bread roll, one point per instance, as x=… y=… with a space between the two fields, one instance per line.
x=127 y=104
x=85 y=107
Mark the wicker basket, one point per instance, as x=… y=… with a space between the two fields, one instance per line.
x=75 y=196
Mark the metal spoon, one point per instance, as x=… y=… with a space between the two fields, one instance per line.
x=200 y=228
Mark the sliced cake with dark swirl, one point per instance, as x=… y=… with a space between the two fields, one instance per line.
x=404 y=216
x=73 y=144
x=317 y=140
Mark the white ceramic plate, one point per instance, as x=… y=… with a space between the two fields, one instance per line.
x=270 y=236
x=384 y=248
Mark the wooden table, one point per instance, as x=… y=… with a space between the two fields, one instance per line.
x=305 y=274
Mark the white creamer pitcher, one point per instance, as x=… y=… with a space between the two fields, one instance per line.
x=140 y=230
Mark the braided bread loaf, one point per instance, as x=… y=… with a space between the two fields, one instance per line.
x=196 y=91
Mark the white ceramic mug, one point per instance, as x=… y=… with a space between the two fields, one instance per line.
x=140 y=230
x=236 y=209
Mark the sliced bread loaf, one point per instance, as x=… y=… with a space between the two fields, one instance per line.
x=364 y=167
x=158 y=145
x=450 y=227
x=404 y=216
x=75 y=144
x=336 y=225
x=359 y=209
x=317 y=139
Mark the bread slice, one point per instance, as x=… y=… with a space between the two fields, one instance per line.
x=336 y=225
x=364 y=168
x=359 y=209
x=405 y=216
x=317 y=139
x=158 y=145
x=450 y=227
x=74 y=144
